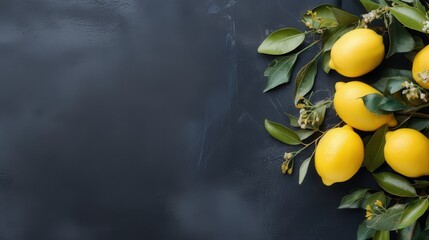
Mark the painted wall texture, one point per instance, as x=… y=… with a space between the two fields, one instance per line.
x=129 y=119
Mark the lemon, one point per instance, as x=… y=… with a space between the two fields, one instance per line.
x=339 y=155
x=357 y=52
x=407 y=152
x=420 y=68
x=351 y=109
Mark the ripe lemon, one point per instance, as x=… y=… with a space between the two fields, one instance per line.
x=350 y=108
x=339 y=155
x=421 y=68
x=407 y=152
x=357 y=52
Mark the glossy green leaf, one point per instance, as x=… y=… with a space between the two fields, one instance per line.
x=282 y=41
x=418 y=123
x=420 y=183
x=395 y=184
x=344 y=18
x=303 y=169
x=374 y=150
x=410 y=17
x=364 y=232
x=324 y=14
x=369 y=5
x=282 y=133
x=305 y=80
x=382 y=235
x=400 y=39
x=390 y=85
x=417 y=4
x=353 y=199
x=419 y=44
x=387 y=220
x=332 y=35
x=382 y=3
x=391 y=104
x=372 y=103
x=400 y=2
x=413 y=212
x=304 y=134
x=321 y=111
x=280 y=71
x=393 y=72
x=371 y=199
x=293 y=121
x=326 y=57
x=406 y=233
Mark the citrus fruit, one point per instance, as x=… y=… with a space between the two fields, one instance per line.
x=339 y=155
x=357 y=52
x=420 y=68
x=351 y=109
x=407 y=152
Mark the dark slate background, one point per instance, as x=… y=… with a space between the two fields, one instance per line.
x=143 y=119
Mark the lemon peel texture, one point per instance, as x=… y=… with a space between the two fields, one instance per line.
x=339 y=155
x=351 y=109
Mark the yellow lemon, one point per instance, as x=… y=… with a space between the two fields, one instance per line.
x=421 y=68
x=339 y=155
x=407 y=152
x=351 y=109
x=357 y=52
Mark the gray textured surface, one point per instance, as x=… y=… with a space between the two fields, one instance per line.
x=127 y=119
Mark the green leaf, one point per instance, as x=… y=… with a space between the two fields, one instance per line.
x=382 y=235
x=420 y=183
x=369 y=5
x=304 y=134
x=326 y=57
x=282 y=133
x=418 y=123
x=303 y=169
x=372 y=103
x=279 y=71
x=400 y=39
x=419 y=6
x=374 y=150
x=305 y=79
x=344 y=18
x=325 y=15
x=419 y=234
x=395 y=184
x=353 y=199
x=413 y=212
x=400 y=2
x=410 y=17
x=371 y=199
x=390 y=85
x=418 y=42
x=282 y=41
x=427 y=223
x=391 y=104
x=382 y=3
x=393 y=72
x=293 y=121
x=387 y=220
x=332 y=35
x=321 y=111
x=364 y=232
x=406 y=233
